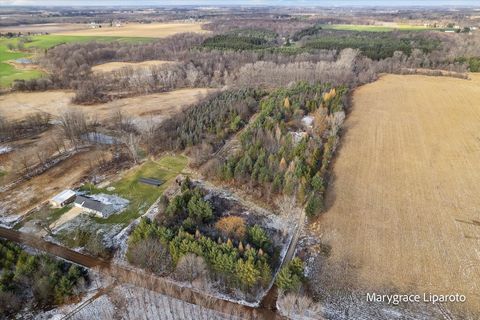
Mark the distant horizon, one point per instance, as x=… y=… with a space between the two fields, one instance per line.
x=247 y=3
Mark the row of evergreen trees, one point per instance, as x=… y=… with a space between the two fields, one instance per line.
x=375 y=45
x=211 y=121
x=276 y=159
x=242 y=39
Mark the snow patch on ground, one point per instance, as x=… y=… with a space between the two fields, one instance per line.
x=307 y=121
x=115 y=201
x=10 y=220
x=130 y=302
x=5 y=149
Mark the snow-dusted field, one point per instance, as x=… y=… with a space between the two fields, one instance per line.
x=133 y=303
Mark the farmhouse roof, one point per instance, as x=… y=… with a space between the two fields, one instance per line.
x=94 y=205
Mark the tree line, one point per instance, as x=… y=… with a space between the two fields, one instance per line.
x=375 y=45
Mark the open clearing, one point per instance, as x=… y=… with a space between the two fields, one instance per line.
x=115 y=66
x=154 y=30
x=18 y=105
x=404 y=205
x=141 y=196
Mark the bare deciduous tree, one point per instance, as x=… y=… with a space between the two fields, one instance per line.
x=131 y=142
x=151 y=255
x=74 y=124
x=190 y=267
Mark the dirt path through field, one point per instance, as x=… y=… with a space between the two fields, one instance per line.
x=404 y=205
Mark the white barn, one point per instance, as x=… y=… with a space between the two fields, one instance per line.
x=63 y=198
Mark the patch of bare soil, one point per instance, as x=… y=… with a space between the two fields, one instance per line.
x=65 y=174
x=31 y=147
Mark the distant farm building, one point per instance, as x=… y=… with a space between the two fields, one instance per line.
x=151 y=181
x=63 y=198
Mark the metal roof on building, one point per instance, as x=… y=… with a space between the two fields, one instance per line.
x=63 y=196
x=94 y=205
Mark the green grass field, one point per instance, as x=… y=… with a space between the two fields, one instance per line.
x=373 y=28
x=142 y=196
x=38 y=44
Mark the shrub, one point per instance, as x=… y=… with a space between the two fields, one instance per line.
x=190 y=267
x=314 y=205
x=232 y=227
x=150 y=254
x=199 y=210
x=259 y=238
x=291 y=276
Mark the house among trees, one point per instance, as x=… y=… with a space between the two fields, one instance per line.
x=63 y=198
x=96 y=207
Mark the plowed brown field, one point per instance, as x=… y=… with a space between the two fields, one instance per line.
x=404 y=203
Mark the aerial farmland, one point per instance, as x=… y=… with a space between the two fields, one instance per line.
x=239 y=161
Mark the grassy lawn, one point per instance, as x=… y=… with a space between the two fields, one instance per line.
x=9 y=73
x=142 y=196
x=48 y=215
x=374 y=28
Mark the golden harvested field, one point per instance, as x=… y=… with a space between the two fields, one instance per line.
x=115 y=66
x=18 y=105
x=153 y=30
x=404 y=205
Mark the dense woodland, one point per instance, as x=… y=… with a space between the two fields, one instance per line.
x=281 y=152
x=374 y=45
x=37 y=281
x=193 y=241
x=209 y=123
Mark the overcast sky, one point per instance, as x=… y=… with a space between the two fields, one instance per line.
x=245 y=2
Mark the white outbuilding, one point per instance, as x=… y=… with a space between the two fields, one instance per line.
x=63 y=198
